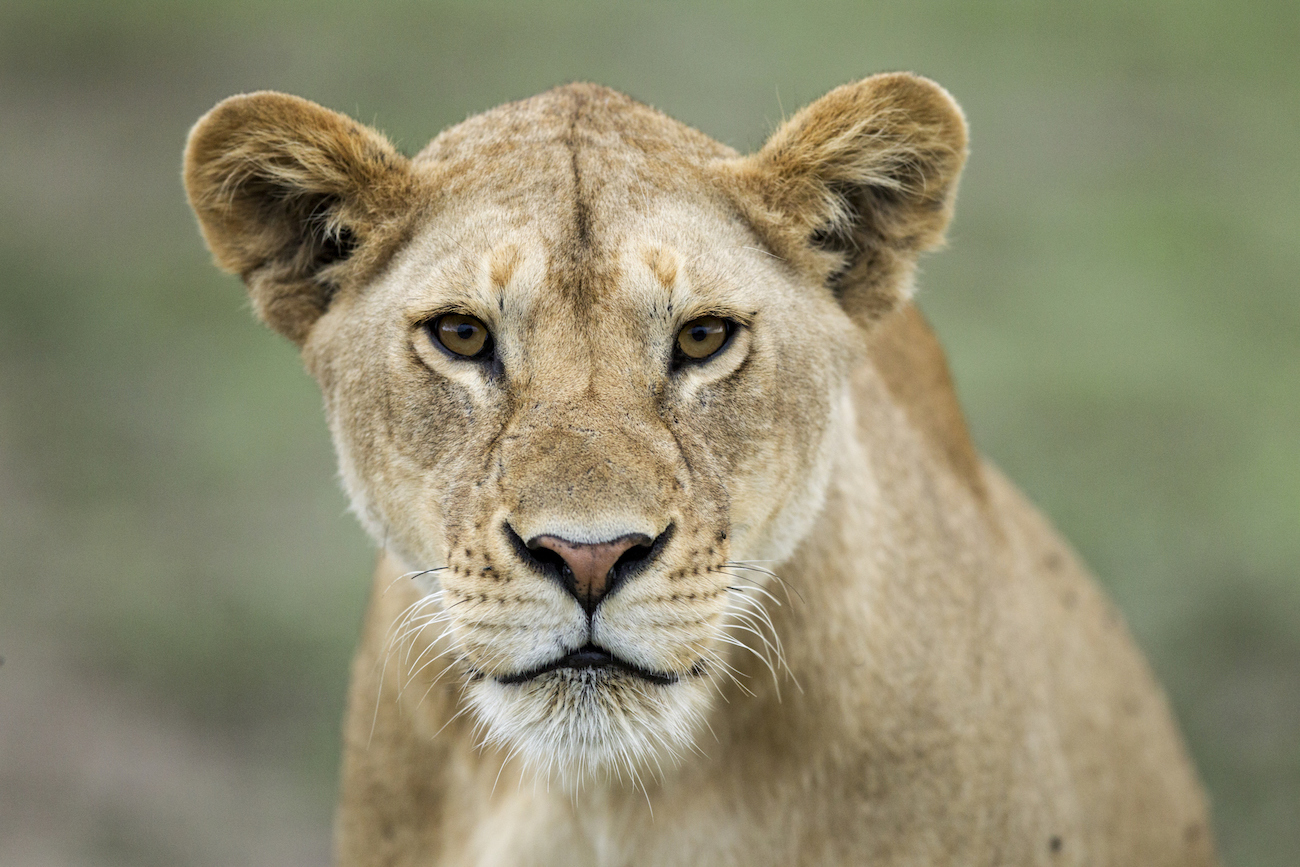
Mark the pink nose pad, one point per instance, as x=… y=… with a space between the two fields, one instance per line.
x=590 y=563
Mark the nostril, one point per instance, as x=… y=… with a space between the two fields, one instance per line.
x=635 y=555
x=638 y=558
x=545 y=556
x=543 y=559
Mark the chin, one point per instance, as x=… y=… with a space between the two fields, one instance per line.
x=575 y=728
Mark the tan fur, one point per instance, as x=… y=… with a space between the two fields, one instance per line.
x=882 y=654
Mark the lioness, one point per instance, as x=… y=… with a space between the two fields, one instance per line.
x=687 y=556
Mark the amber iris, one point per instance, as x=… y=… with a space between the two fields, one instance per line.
x=461 y=334
x=703 y=337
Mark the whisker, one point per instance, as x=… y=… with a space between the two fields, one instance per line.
x=767 y=663
x=745 y=627
x=764 y=252
x=379 y=692
x=747 y=565
x=457 y=715
x=415 y=672
x=753 y=608
x=751 y=586
x=412 y=575
x=727 y=668
x=763 y=624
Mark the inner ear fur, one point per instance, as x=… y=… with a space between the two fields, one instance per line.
x=295 y=199
x=858 y=184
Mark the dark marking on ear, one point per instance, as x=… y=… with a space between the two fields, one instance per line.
x=839 y=237
x=326 y=241
x=311 y=236
x=337 y=247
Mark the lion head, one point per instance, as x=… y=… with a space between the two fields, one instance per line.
x=585 y=369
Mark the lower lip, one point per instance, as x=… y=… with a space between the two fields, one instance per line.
x=589 y=659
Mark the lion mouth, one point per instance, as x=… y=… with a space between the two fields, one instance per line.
x=590 y=656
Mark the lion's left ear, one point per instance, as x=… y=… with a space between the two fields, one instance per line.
x=856 y=185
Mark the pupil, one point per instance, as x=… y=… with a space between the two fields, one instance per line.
x=465 y=331
x=699 y=333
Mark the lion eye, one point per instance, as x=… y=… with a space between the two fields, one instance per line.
x=462 y=335
x=703 y=337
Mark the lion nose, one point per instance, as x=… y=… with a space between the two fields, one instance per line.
x=590 y=570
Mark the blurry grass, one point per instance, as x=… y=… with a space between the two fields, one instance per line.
x=1120 y=301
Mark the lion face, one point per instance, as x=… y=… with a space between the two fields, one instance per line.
x=582 y=366
x=585 y=486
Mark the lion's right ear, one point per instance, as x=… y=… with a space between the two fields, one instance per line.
x=295 y=199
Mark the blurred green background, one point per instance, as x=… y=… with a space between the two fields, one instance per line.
x=180 y=585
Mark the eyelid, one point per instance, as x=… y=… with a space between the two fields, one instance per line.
x=738 y=318
x=422 y=318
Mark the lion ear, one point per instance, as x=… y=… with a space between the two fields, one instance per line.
x=859 y=183
x=295 y=199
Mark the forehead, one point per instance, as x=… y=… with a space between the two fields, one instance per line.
x=580 y=192
x=674 y=259
x=589 y=139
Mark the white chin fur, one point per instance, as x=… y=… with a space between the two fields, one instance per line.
x=589 y=726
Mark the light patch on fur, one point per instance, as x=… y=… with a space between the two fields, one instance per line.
x=590 y=532
x=580 y=728
x=795 y=515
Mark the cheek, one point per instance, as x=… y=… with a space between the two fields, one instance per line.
x=768 y=417
x=765 y=430
x=424 y=418
x=409 y=441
